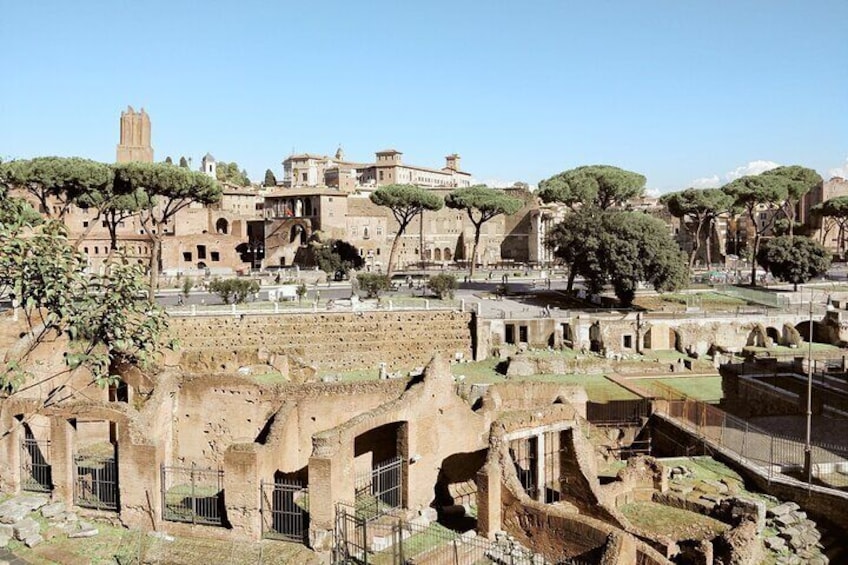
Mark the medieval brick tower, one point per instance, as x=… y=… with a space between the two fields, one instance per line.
x=135 y=137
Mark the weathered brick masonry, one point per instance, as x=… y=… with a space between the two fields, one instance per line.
x=328 y=341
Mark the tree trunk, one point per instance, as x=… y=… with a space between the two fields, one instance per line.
x=572 y=274
x=84 y=234
x=474 y=251
x=697 y=247
x=710 y=227
x=754 y=259
x=390 y=268
x=155 y=257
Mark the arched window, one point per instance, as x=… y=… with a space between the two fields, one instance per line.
x=222 y=226
x=447 y=254
x=365 y=233
x=298 y=231
x=437 y=254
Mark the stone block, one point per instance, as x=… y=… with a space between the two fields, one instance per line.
x=33 y=540
x=84 y=533
x=53 y=510
x=25 y=528
x=782 y=509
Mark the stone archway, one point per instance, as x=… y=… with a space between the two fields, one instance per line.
x=446 y=254
x=298 y=233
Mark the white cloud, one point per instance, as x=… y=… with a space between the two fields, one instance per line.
x=841 y=171
x=653 y=192
x=499 y=183
x=750 y=168
x=707 y=182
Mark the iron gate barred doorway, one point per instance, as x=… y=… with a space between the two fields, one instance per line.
x=193 y=494
x=36 y=473
x=285 y=510
x=96 y=484
x=381 y=489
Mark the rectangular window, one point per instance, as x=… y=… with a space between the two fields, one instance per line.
x=510 y=333
x=187 y=256
x=85 y=224
x=522 y=334
x=627 y=341
x=215 y=256
x=303 y=177
x=201 y=252
x=381 y=175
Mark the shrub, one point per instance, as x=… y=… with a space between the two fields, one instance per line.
x=373 y=283
x=443 y=285
x=187 y=286
x=233 y=290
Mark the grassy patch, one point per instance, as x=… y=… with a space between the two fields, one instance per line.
x=672 y=522
x=97 y=550
x=598 y=388
x=707 y=389
x=270 y=378
x=417 y=544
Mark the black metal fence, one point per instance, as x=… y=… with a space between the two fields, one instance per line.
x=617 y=412
x=381 y=489
x=390 y=541
x=194 y=495
x=96 y=484
x=556 y=454
x=778 y=454
x=285 y=510
x=525 y=457
x=36 y=473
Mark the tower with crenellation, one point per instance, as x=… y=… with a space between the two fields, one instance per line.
x=135 y=137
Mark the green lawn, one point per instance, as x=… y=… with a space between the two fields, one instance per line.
x=707 y=389
x=672 y=522
x=598 y=387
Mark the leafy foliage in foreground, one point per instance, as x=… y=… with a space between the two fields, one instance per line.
x=105 y=317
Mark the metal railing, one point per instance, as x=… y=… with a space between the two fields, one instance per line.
x=616 y=412
x=194 y=495
x=381 y=489
x=36 y=473
x=284 y=506
x=778 y=454
x=391 y=541
x=96 y=482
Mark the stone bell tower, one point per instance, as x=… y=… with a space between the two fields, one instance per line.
x=135 y=137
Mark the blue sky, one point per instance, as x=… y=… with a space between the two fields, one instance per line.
x=685 y=92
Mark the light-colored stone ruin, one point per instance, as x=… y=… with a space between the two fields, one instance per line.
x=199 y=447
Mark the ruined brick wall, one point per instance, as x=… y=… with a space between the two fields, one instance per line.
x=328 y=341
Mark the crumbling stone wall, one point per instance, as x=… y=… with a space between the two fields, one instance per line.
x=329 y=341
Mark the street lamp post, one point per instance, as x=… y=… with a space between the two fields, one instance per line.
x=808 y=450
x=808 y=454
